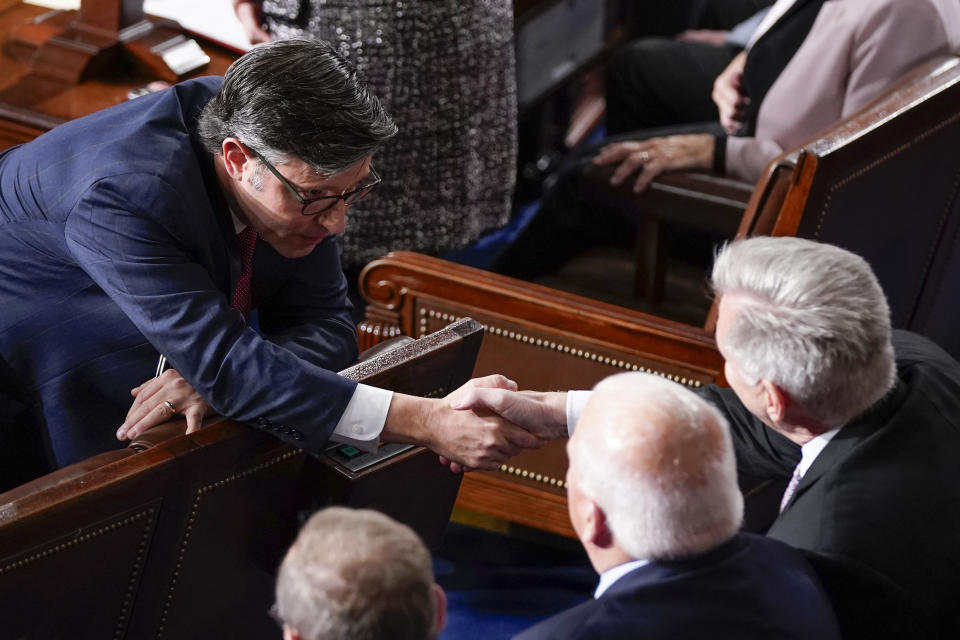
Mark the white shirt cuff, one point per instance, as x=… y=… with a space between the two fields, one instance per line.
x=363 y=420
x=576 y=401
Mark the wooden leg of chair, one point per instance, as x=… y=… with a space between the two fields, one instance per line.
x=651 y=271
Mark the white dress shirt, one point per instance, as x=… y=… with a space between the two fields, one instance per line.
x=776 y=12
x=608 y=577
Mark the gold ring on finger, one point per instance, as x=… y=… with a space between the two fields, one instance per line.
x=169 y=405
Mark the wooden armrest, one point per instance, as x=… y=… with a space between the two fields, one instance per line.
x=712 y=203
x=160 y=433
x=65 y=474
x=383 y=347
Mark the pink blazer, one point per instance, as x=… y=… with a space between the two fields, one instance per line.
x=854 y=50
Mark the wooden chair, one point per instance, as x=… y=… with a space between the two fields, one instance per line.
x=182 y=539
x=885 y=184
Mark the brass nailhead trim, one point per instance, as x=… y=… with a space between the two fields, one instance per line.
x=194 y=511
x=426 y=314
x=134 y=572
x=530 y=475
x=890 y=154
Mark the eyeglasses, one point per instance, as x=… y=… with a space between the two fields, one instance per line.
x=313 y=206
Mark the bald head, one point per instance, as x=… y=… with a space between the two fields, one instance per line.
x=658 y=460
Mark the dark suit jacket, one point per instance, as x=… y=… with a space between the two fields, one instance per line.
x=117 y=246
x=748 y=587
x=771 y=53
x=886 y=490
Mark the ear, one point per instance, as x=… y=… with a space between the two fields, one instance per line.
x=441 y=601
x=235 y=156
x=776 y=401
x=596 y=529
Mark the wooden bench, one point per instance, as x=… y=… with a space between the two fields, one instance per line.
x=182 y=539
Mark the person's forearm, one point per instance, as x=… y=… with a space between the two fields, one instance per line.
x=552 y=417
x=408 y=421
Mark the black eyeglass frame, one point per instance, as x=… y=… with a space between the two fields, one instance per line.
x=349 y=197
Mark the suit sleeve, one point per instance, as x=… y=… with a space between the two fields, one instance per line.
x=142 y=256
x=761 y=451
x=308 y=313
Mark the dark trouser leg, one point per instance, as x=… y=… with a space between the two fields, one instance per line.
x=726 y=14
x=23 y=453
x=573 y=215
x=658 y=82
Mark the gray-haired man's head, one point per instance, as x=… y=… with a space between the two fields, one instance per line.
x=808 y=317
x=356 y=575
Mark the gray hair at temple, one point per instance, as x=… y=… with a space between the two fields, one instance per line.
x=812 y=319
x=357 y=575
x=297 y=98
x=658 y=460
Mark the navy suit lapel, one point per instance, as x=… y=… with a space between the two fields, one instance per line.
x=226 y=280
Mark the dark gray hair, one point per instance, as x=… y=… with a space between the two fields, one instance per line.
x=297 y=98
x=811 y=318
x=355 y=575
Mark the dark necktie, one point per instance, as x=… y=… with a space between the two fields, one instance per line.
x=246 y=242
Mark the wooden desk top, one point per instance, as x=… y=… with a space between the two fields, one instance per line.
x=30 y=105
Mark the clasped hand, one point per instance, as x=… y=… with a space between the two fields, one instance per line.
x=536 y=417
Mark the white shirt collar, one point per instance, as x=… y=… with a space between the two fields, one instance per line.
x=813 y=448
x=238 y=225
x=777 y=11
x=608 y=577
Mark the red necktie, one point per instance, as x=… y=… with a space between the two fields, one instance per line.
x=246 y=242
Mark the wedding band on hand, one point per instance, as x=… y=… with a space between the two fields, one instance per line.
x=644 y=157
x=169 y=405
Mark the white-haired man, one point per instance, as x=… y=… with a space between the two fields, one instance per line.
x=864 y=421
x=356 y=575
x=652 y=493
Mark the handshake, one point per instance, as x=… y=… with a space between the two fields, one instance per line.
x=481 y=424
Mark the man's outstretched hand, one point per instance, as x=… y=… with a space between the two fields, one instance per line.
x=464 y=438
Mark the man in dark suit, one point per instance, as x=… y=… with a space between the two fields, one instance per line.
x=652 y=494
x=864 y=421
x=124 y=238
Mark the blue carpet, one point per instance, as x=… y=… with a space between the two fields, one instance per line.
x=499 y=585
x=481 y=253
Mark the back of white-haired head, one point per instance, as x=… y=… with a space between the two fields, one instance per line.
x=357 y=575
x=810 y=318
x=658 y=460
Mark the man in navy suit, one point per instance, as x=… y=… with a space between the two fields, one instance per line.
x=653 y=496
x=123 y=235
